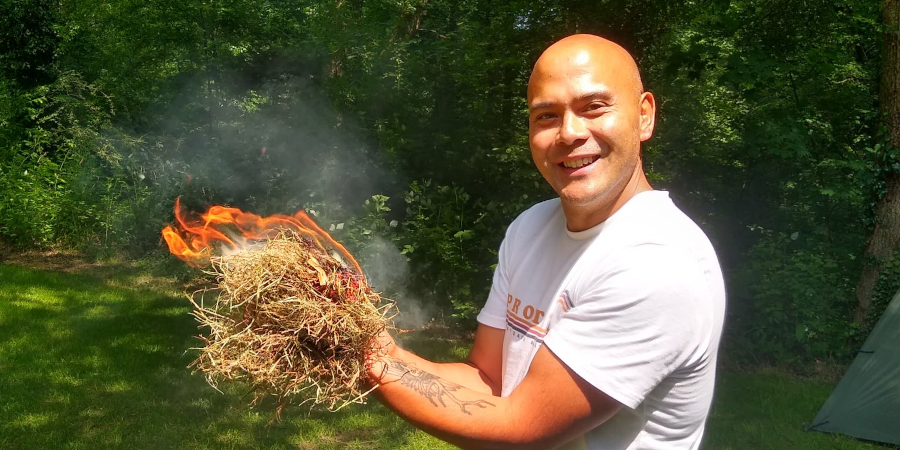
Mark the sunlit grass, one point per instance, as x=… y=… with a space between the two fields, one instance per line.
x=88 y=362
x=769 y=410
x=99 y=362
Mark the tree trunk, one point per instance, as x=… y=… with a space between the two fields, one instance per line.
x=885 y=237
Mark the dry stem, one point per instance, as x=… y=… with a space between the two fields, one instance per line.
x=292 y=322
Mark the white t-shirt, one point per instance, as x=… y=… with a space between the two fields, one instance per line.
x=634 y=306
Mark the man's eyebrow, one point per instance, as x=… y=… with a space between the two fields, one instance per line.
x=540 y=105
x=600 y=94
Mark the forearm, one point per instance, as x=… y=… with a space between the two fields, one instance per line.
x=463 y=374
x=448 y=410
x=549 y=407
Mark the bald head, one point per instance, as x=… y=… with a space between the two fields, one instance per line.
x=586 y=53
x=587 y=116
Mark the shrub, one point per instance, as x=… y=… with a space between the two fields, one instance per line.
x=792 y=302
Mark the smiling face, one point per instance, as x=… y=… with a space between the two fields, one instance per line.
x=587 y=119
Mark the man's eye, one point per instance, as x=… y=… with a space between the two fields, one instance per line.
x=545 y=116
x=594 y=107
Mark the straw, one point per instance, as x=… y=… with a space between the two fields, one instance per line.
x=292 y=322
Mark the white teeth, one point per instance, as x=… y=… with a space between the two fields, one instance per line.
x=574 y=164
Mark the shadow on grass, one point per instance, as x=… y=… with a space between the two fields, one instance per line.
x=88 y=362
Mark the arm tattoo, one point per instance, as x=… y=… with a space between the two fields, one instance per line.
x=435 y=389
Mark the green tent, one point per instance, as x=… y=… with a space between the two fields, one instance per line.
x=866 y=403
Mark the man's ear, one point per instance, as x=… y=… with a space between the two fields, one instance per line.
x=648 y=115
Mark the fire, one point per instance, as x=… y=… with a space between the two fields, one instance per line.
x=193 y=240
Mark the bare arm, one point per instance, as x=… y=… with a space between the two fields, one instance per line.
x=481 y=371
x=550 y=407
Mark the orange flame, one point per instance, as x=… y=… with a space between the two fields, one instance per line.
x=193 y=240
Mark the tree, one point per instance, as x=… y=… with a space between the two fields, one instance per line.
x=885 y=237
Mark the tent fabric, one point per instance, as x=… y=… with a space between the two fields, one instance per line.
x=866 y=402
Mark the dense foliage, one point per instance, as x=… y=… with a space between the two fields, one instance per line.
x=401 y=125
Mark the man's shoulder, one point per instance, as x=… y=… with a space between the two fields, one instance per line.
x=649 y=208
x=653 y=218
x=543 y=210
x=655 y=243
x=538 y=217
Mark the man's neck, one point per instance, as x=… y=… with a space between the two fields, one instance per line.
x=583 y=218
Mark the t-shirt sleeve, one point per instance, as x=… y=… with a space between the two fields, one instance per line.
x=494 y=312
x=632 y=326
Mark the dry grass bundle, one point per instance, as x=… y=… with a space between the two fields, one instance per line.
x=292 y=322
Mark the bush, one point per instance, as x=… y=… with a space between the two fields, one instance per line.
x=446 y=243
x=792 y=302
x=58 y=133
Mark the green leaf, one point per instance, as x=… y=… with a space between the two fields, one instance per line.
x=464 y=235
x=800 y=332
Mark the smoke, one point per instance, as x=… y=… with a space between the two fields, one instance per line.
x=388 y=273
x=385 y=267
x=274 y=147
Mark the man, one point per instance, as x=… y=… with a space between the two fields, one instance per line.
x=603 y=322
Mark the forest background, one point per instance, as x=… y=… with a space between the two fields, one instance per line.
x=401 y=126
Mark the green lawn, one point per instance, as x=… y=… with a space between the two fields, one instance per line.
x=98 y=360
x=767 y=410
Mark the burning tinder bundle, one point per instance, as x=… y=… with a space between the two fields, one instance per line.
x=288 y=318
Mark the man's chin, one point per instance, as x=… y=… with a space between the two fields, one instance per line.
x=582 y=201
x=593 y=200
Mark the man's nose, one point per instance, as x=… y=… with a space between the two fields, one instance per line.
x=572 y=129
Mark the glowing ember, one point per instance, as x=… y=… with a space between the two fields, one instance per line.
x=193 y=240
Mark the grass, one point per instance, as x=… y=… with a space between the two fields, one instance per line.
x=91 y=362
x=97 y=360
x=768 y=410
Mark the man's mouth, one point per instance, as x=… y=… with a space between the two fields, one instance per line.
x=580 y=162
